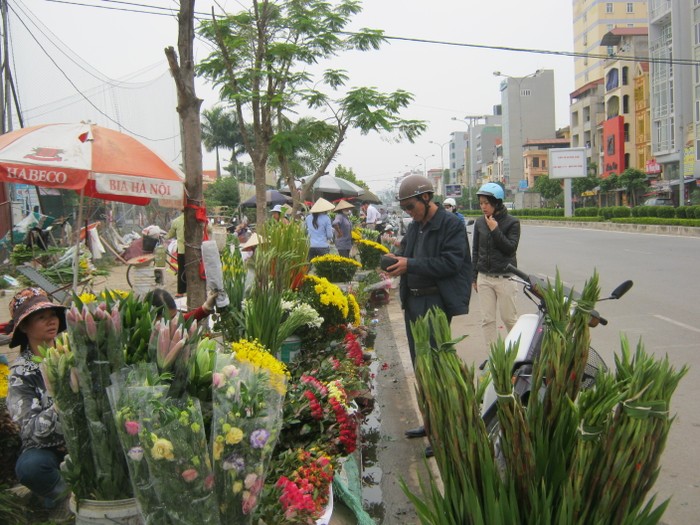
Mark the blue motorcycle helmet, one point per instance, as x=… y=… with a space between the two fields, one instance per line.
x=491 y=189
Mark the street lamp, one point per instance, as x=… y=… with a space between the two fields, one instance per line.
x=425 y=166
x=442 y=158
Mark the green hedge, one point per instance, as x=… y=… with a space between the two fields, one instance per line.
x=538 y=212
x=694 y=223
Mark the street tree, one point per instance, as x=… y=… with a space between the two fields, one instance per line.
x=223 y=192
x=188 y=105
x=346 y=173
x=633 y=180
x=607 y=185
x=261 y=65
x=549 y=188
x=220 y=131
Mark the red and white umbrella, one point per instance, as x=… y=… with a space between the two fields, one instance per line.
x=100 y=162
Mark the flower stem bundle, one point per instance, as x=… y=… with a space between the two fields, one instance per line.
x=565 y=454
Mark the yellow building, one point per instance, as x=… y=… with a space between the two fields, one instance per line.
x=592 y=20
x=642 y=113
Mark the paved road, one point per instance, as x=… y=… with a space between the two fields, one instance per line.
x=662 y=309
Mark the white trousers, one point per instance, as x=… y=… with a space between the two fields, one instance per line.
x=496 y=294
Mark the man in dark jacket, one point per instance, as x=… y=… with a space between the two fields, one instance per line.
x=495 y=242
x=434 y=262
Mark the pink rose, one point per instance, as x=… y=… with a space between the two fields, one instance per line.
x=189 y=475
x=249 y=502
x=132 y=427
x=217 y=379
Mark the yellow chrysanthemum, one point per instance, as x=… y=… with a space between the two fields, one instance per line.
x=4 y=374
x=355 y=317
x=115 y=294
x=330 y=294
x=374 y=245
x=162 y=449
x=87 y=298
x=217 y=449
x=356 y=235
x=334 y=258
x=257 y=355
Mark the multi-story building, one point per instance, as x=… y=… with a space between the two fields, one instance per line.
x=693 y=162
x=671 y=84
x=459 y=146
x=642 y=117
x=587 y=109
x=594 y=18
x=619 y=128
x=528 y=113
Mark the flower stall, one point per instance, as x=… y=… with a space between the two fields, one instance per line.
x=202 y=430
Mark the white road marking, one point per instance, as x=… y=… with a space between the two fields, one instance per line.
x=677 y=323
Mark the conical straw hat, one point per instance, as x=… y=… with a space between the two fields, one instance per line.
x=321 y=206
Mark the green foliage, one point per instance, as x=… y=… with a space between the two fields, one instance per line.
x=220 y=130
x=222 y=192
x=692 y=223
x=633 y=180
x=609 y=183
x=548 y=188
x=591 y=211
x=570 y=455
x=580 y=185
x=538 y=212
x=347 y=174
x=260 y=64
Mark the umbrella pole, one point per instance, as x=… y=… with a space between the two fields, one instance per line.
x=76 y=258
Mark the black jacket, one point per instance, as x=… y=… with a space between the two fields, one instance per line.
x=450 y=266
x=493 y=250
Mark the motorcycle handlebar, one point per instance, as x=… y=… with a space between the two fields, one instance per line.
x=512 y=269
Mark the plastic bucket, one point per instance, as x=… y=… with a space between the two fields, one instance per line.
x=91 y=512
x=289 y=349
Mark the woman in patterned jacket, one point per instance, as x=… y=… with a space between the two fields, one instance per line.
x=36 y=322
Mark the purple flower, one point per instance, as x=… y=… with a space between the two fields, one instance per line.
x=234 y=462
x=259 y=437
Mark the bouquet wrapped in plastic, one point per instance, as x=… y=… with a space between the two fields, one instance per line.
x=249 y=389
x=166 y=448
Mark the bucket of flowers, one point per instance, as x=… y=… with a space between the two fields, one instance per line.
x=335 y=268
x=370 y=253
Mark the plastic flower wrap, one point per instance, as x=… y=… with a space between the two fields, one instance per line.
x=95 y=333
x=370 y=253
x=335 y=268
x=61 y=379
x=131 y=392
x=249 y=389
x=175 y=449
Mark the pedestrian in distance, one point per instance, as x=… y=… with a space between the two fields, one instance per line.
x=319 y=228
x=177 y=231
x=343 y=228
x=434 y=262
x=494 y=244
x=451 y=205
x=278 y=214
x=36 y=321
x=373 y=218
x=164 y=303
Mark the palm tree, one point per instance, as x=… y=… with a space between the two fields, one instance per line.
x=220 y=130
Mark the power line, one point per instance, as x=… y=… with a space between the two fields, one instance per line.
x=574 y=54
x=77 y=89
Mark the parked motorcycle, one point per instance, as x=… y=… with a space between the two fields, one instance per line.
x=529 y=330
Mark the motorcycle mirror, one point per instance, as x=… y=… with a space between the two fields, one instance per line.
x=621 y=290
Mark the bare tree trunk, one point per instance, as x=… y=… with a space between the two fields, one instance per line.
x=188 y=106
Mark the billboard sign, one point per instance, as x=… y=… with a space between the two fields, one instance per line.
x=567 y=163
x=453 y=190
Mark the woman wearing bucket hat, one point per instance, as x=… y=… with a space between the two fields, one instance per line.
x=278 y=214
x=343 y=228
x=319 y=229
x=36 y=321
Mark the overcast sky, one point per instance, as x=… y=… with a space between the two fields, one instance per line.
x=447 y=81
